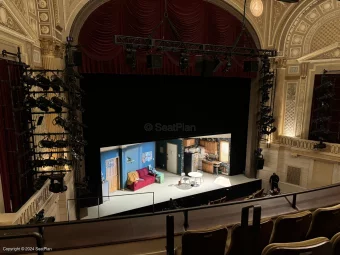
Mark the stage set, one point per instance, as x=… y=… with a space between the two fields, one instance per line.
x=144 y=177
x=195 y=75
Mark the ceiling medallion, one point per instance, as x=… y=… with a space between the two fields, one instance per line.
x=256 y=7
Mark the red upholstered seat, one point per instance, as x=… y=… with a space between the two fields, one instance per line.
x=147 y=177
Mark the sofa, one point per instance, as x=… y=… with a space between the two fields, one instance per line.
x=148 y=178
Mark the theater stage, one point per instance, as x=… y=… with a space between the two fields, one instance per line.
x=213 y=187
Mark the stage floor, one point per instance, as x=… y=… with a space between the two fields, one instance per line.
x=126 y=200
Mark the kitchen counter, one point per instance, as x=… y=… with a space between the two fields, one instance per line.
x=211 y=161
x=208 y=165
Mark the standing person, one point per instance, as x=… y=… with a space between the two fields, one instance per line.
x=274 y=181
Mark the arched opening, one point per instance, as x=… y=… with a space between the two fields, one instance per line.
x=132 y=97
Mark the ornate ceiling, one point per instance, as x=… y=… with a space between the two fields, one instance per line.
x=296 y=30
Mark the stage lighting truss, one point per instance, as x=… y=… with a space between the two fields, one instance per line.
x=266 y=119
x=189 y=48
x=57 y=93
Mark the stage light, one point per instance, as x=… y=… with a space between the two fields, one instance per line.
x=43 y=82
x=57 y=183
x=46 y=144
x=228 y=65
x=183 y=61
x=268 y=130
x=64 y=162
x=29 y=81
x=265 y=97
x=265 y=110
x=130 y=56
x=56 y=83
x=43 y=103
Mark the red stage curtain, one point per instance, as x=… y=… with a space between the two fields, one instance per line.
x=195 y=21
x=16 y=186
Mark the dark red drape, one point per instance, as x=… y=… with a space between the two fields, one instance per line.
x=16 y=183
x=194 y=21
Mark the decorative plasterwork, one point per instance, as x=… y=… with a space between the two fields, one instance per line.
x=289 y=117
x=21 y=5
x=280 y=62
x=57 y=16
x=314 y=27
x=330 y=52
x=7 y=20
x=52 y=47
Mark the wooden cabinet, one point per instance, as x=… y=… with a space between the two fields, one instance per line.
x=210 y=147
x=189 y=142
x=208 y=167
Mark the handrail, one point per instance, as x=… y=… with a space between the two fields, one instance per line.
x=184 y=210
x=38 y=237
x=122 y=195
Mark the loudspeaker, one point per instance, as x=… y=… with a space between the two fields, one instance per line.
x=260 y=163
x=250 y=66
x=77 y=58
x=154 y=61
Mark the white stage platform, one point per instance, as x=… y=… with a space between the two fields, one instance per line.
x=162 y=192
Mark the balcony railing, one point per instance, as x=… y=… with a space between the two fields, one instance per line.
x=33 y=205
x=132 y=228
x=293 y=142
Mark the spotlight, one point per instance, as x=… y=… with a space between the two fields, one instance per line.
x=56 y=83
x=30 y=102
x=228 y=65
x=61 y=144
x=29 y=81
x=46 y=144
x=63 y=162
x=131 y=57
x=184 y=61
x=266 y=86
x=43 y=82
x=265 y=97
x=265 y=110
x=43 y=103
x=57 y=183
x=268 y=130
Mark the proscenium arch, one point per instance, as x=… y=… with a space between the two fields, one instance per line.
x=84 y=9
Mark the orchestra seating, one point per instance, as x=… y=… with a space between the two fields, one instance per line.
x=316 y=233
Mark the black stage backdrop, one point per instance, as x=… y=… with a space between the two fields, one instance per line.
x=120 y=109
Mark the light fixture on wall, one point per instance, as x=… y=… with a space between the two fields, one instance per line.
x=256 y=7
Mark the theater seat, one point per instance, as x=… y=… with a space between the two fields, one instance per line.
x=241 y=235
x=317 y=246
x=325 y=222
x=291 y=228
x=336 y=244
x=204 y=242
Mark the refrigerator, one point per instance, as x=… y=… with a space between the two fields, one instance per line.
x=190 y=162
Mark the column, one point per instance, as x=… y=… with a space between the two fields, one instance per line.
x=279 y=102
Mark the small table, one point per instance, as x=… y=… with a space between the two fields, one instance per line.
x=195 y=175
